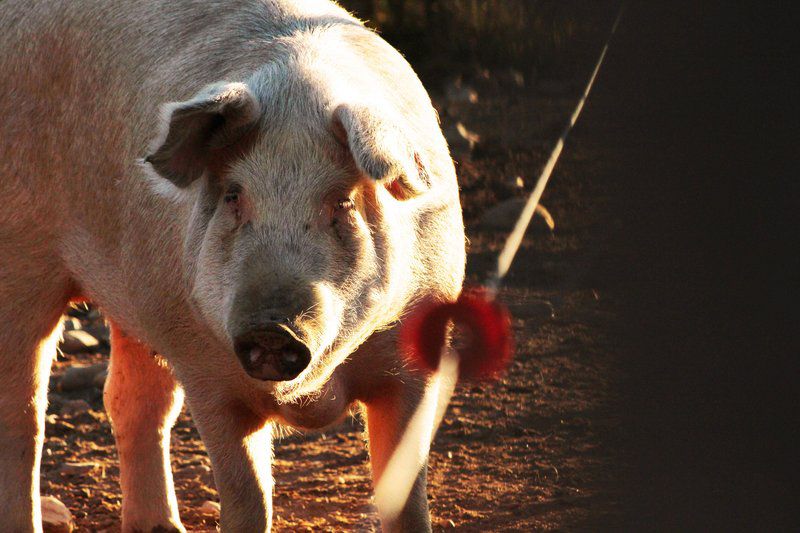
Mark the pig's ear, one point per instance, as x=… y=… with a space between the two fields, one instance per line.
x=204 y=133
x=381 y=151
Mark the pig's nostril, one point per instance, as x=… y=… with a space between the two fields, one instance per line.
x=294 y=359
x=273 y=353
x=255 y=355
x=275 y=341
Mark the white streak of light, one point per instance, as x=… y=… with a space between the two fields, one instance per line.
x=514 y=239
x=397 y=480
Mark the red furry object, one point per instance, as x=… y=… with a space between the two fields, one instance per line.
x=487 y=323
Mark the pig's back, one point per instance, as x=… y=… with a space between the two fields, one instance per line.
x=99 y=70
x=82 y=82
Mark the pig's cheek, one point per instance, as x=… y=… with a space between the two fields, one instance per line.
x=209 y=295
x=240 y=214
x=345 y=228
x=359 y=246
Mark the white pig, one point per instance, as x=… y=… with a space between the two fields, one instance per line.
x=256 y=190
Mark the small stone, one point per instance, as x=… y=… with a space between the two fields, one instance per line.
x=77 y=469
x=56 y=518
x=200 y=472
x=99 y=381
x=78 y=311
x=78 y=341
x=460 y=139
x=470 y=136
x=546 y=216
x=443 y=523
x=552 y=87
x=460 y=93
x=534 y=310
x=80 y=377
x=100 y=331
x=54 y=403
x=503 y=216
x=210 y=507
x=71 y=323
x=517 y=77
x=58 y=426
x=194 y=470
x=74 y=407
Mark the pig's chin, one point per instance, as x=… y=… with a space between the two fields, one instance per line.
x=324 y=362
x=332 y=338
x=311 y=381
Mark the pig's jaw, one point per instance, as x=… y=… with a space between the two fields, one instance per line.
x=308 y=385
x=338 y=342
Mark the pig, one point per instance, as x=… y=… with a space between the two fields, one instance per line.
x=255 y=193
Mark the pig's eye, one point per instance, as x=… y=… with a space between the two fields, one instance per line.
x=233 y=200
x=342 y=217
x=345 y=204
x=232 y=195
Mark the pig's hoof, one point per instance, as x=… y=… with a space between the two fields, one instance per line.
x=169 y=526
x=163 y=529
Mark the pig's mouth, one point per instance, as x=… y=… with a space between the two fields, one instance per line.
x=274 y=353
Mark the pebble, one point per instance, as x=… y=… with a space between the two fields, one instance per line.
x=80 y=377
x=77 y=469
x=74 y=407
x=194 y=470
x=458 y=92
x=534 y=310
x=201 y=472
x=78 y=341
x=100 y=331
x=470 y=136
x=552 y=87
x=56 y=518
x=54 y=401
x=460 y=139
x=517 y=77
x=210 y=507
x=503 y=216
x=71 y=323
x=99 y=381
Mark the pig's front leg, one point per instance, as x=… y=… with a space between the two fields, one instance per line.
x=143 y=400
x=401 y=414
x=239 y=444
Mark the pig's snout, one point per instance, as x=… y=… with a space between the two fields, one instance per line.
x=273 y=352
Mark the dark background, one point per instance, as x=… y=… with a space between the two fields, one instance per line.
x=696 y=109
x=702 y=93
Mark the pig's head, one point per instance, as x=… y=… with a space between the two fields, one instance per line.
x=301 y=238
